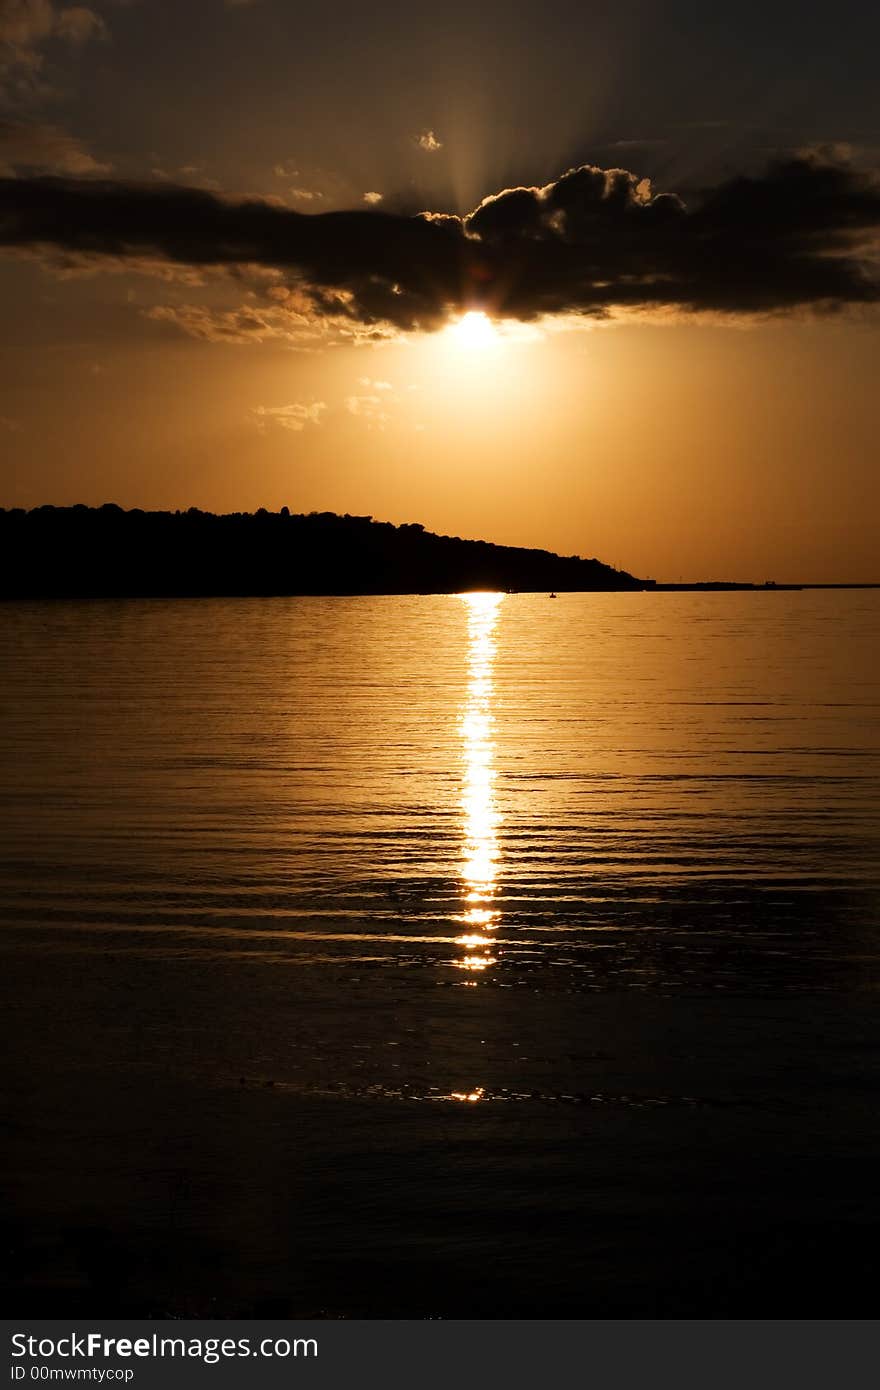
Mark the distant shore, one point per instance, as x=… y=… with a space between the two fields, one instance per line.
x=83 y=552
x=720 y=585
x=107 y=552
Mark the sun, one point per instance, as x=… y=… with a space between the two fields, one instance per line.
x=473 y=331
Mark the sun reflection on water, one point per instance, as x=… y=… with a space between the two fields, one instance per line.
x=470 y=1096
x=481 y=819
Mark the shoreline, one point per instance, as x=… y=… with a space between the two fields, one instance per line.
x=710 y=586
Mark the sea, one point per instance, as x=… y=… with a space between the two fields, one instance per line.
x=470 y=955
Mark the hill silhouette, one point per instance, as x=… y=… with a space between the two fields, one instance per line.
x=105 y=551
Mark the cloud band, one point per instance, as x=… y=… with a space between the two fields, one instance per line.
x=804 y=233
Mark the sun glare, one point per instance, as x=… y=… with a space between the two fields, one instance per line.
x=474 y=331
x=480 y=814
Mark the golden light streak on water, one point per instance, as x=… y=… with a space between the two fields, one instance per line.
x=469 y=1096
x=475 y=962
x=478 y=802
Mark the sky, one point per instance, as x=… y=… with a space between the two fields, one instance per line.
x=600 y=278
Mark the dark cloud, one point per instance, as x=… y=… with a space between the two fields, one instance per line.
x=371 y=265
x=804 y=233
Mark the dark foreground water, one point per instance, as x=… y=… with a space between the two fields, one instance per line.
x=469 y=955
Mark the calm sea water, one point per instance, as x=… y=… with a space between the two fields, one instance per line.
x=648 y=792
x=400 y=850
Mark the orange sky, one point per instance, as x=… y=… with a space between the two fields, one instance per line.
x=676 y=446
x=674 y=452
